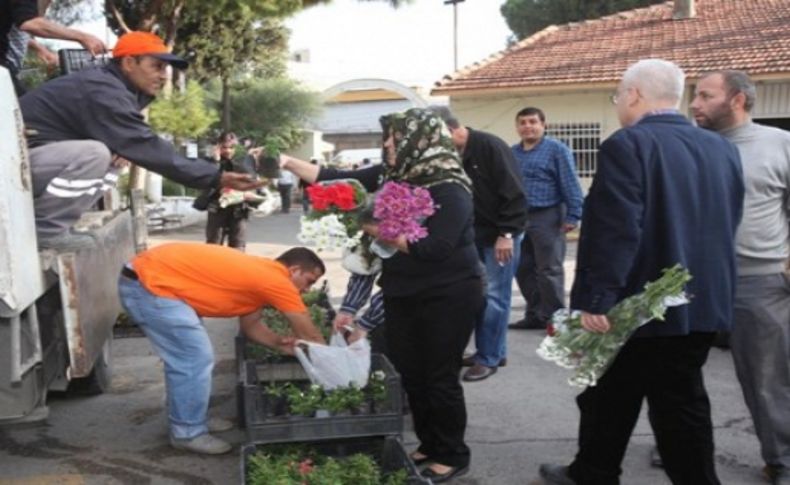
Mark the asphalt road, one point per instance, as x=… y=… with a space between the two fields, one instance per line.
x=522 y=416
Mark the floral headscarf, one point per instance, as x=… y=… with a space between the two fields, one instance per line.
x=425 y=154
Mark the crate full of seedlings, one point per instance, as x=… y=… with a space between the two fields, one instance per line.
x=280 y=404
x=360 y=461
x=321 y=313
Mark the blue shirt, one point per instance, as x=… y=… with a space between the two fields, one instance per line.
x=549 y=175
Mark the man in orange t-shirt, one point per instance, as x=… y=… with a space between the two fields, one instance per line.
x=168 y=289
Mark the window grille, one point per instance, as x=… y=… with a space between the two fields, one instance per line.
x=583 y=140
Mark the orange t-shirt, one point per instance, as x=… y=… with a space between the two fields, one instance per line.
x=217 y=281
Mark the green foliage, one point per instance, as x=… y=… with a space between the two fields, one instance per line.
x=273 y=109
x=306 y=401
x=232 y=42
x=182 y=115
x=525 y=17
x=287 y=465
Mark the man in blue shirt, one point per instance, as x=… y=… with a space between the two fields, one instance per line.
x=555 y=201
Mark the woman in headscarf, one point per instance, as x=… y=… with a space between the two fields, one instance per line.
x=433 y=289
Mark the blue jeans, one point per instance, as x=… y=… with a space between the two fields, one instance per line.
x=177 y=334
x=491 y=329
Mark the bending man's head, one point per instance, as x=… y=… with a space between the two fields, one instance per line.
x=304 y=266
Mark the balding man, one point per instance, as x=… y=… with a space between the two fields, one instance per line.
x=665 y=193
x=761 y=330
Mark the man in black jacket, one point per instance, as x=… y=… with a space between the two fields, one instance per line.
x=665 y=193
x=500 y=217
x=81 y=127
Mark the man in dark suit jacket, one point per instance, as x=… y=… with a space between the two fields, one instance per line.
x=665 y=192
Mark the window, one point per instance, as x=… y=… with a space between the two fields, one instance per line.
x=583 y=139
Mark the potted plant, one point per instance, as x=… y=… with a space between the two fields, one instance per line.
x=269 y=162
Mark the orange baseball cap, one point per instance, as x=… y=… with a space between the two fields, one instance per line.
x=146 y=44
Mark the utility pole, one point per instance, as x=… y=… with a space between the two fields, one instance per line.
x=454 y=3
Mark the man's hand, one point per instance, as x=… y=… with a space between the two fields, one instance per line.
x=595 y=323
x=568 y=227
x=93 y=44
x=357 y=334
x=342 y=320
x=239 y=181
x=503 y=250
x=286 y=345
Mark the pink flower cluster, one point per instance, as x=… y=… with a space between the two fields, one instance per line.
x=401 y=209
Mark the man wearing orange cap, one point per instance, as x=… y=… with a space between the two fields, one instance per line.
x=80 y=126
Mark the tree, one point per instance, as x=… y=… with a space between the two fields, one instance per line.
x=182 y=114
x=231 y=44
x=525 y=17
x=273 y=109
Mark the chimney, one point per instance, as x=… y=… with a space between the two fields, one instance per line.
x=684 y=9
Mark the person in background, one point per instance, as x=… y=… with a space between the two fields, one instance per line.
x=500 y=217
x=169 y=289
x=760 y=339
x=555 y=199
x=285 y=184
x=665 y=193
x=24 y=16
x=227 y=223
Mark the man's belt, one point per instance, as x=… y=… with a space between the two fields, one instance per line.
x=129 y=273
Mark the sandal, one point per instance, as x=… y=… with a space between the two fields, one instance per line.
x=453 y=472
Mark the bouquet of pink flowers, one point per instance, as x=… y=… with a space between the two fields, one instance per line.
x=400 y=209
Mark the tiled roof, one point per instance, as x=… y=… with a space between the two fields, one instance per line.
x=750 y=35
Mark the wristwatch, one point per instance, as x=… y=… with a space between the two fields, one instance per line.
x=507 y=235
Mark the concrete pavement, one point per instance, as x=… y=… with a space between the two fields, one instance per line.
x=523 y=416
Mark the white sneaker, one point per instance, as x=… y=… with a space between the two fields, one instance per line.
x=218 y=425
x=204 y=444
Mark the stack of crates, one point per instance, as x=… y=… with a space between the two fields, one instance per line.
x=375 y=430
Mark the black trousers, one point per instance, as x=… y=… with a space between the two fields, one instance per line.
x=230 y=220
x=540 y=273
x=668 y=372
x=426 y=335
x=285 y=197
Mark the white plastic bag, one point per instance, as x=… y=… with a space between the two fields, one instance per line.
x=337 y=364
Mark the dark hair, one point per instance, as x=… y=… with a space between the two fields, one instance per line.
x=532 y=111
x=306 y=259
x=225 y=137
x=739 y=82
x=446 y=115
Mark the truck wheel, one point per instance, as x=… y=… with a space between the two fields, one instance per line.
x=99 y=380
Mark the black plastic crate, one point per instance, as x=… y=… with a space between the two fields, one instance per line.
x=387 y=451
x=72 y=60
x=261 y=415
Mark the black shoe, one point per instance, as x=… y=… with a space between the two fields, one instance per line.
x=555 y=475
x=527 y=324
x=470 y=361
x=443 y=477
x=478 y=373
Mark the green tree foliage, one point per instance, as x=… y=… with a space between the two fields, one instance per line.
x=273 y=109
x=525 y=17
x=182 y=114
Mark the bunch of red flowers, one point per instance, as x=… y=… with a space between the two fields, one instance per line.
x=340 y=195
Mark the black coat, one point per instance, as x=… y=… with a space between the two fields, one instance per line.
x=665 y=192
